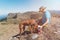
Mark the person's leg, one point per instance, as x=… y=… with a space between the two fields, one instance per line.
x=44 y=28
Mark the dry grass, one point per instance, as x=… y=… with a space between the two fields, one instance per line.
x=8 y=30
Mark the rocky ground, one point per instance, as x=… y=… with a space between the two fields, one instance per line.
x=49 y=33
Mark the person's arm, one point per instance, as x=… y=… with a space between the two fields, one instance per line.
x=45 y=23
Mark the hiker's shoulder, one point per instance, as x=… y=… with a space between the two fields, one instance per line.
x=47 y=12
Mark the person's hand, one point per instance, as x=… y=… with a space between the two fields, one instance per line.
x=40 y=26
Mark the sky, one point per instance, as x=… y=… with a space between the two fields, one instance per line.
x=12 y=6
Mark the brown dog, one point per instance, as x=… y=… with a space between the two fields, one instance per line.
x=30 y=23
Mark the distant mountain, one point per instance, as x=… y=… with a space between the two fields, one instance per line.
x=27 y=15
x=55 y=11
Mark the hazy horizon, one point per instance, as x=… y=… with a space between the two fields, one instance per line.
x=12 y=6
